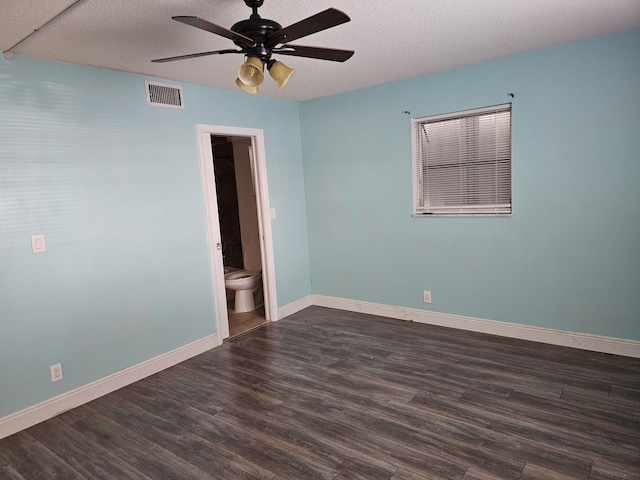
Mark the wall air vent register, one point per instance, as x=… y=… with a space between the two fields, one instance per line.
x=162 y=95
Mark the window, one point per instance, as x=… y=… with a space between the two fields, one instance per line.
x=462 y=163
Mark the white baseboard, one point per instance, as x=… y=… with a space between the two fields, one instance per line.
x=585 y=341
x=42 y=411
x=293 y=307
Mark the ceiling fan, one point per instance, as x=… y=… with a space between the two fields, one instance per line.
x=258 y=38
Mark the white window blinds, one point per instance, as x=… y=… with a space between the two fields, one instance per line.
x=462 y=162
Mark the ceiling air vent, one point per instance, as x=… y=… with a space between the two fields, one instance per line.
x=161 y=95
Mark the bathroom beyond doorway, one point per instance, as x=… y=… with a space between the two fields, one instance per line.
x=238 y=216
x=265 y=217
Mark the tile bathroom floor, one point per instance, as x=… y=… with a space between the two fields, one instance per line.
x=243 y=322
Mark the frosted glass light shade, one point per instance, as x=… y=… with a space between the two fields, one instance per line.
x=251 y=72
x=246 y=88
x=280 y=73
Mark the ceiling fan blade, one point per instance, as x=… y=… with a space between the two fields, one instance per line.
x=194 y=55
x=316 y=23
x=315 y=52
x=217 y=29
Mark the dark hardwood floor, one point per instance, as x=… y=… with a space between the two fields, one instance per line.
x=326 y=394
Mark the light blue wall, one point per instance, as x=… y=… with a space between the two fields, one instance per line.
x=114 y=185
x=568 y=258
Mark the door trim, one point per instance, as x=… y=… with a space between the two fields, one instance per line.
x=207 y=176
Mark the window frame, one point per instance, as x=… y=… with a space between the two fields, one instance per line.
x=467 y=131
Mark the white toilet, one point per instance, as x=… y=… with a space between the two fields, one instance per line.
x=246 y=282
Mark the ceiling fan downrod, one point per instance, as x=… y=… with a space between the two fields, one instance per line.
x=254 y=5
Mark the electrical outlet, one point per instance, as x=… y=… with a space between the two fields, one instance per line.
x=56 y=372
x=426 y=296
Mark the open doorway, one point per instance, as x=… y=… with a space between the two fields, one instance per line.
x=229 y=237
x=239 y=232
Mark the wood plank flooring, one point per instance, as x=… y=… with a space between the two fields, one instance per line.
x=327 y=394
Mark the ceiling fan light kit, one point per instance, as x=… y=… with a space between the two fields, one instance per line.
x=251 y=72
x=279 y=72
x=246 y=88
x=258 y=38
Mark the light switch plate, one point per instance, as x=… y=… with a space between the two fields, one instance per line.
x=37 y=244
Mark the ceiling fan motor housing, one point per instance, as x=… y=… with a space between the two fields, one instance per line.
x=258 y=29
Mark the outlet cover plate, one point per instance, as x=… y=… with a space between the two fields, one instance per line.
x=426 y=296
x=56 y=372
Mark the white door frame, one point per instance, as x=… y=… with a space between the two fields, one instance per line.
x=259 y=171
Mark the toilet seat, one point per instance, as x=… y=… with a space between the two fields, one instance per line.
x=242 y=279
x=240 y=274
x=252 y=257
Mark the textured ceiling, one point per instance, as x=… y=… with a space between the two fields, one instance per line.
x=393 y=39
